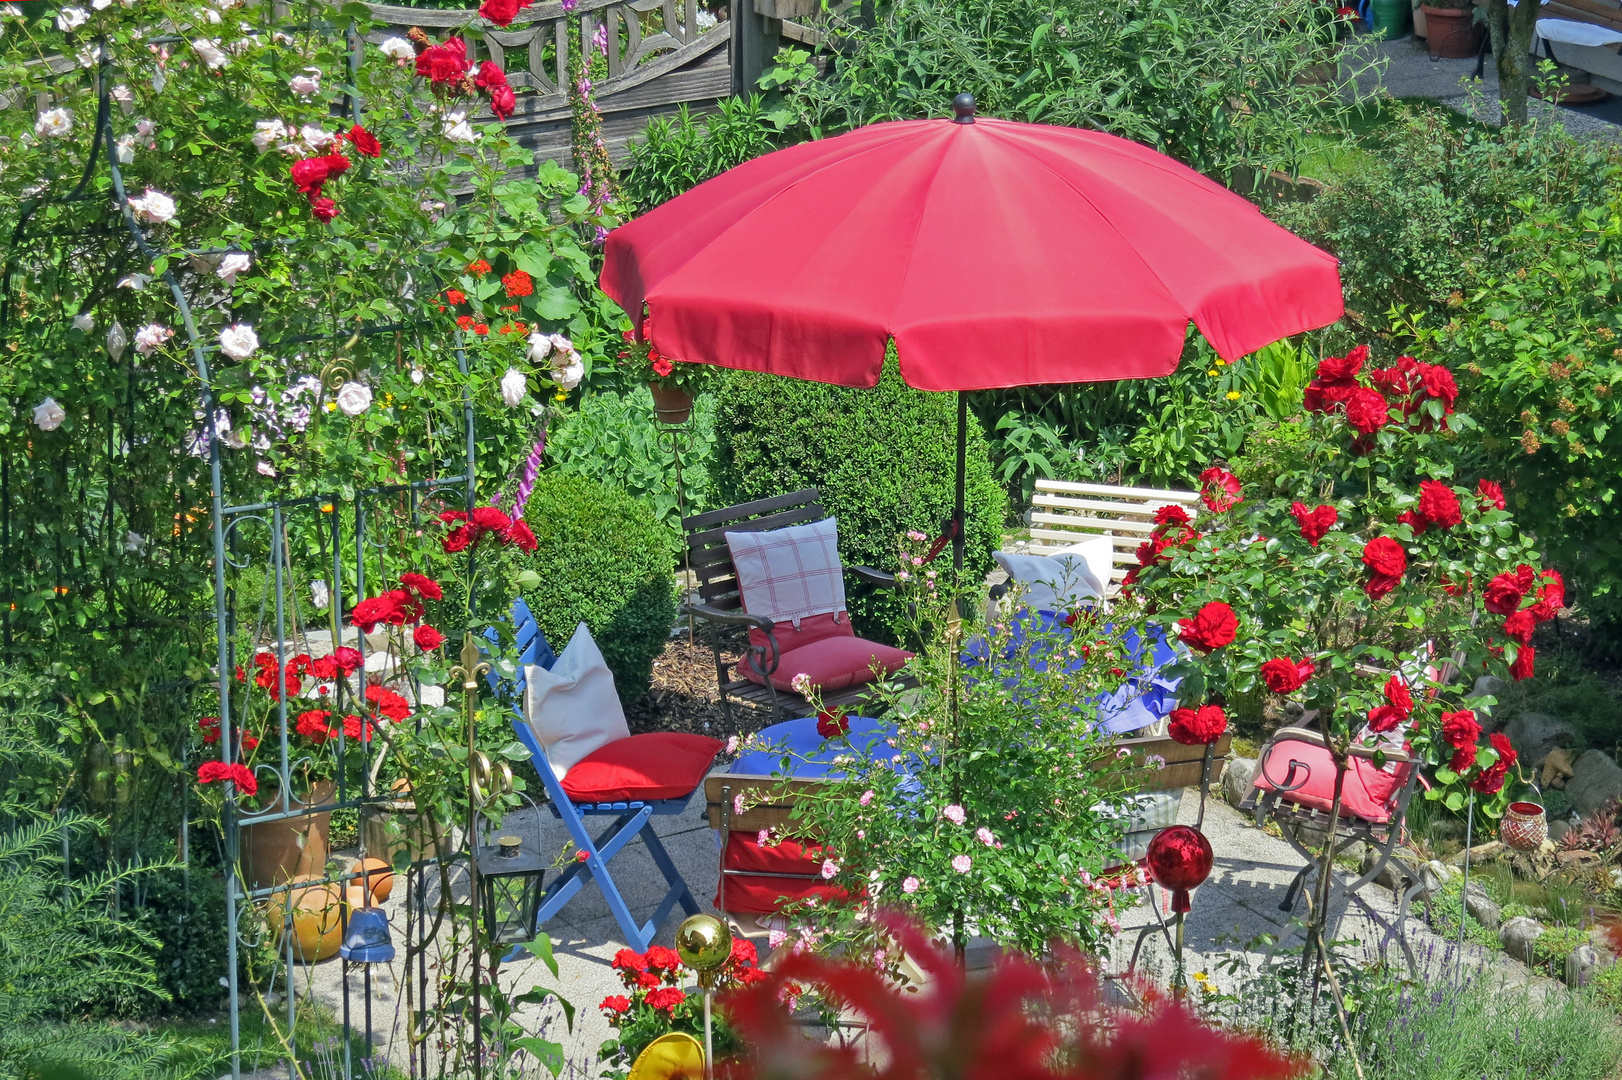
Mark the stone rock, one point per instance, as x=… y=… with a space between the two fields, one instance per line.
x=1595 y=780
x=1557 y=768
x=1581 y=966
x=1481 y=907
x=1433 y=875
x=1237 y=779
x=1534 y=735
x=1558 y=829
x=432 y=696
x=1489 y=686
x=1519 y=935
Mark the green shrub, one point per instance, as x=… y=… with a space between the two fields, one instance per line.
x=604 y=560
x=884 y=459
x=614 y=438
x=677 y=154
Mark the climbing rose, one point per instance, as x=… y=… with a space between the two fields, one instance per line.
x=1367 y=410
x=427 y=638
x=1551 y=597
x=1172 y=514
x=1503 y=593
x=323 y=209
x=1397 y=709
x=1220 y=489
x=1314 y=523
x=1439 y=505
x=1212 y=627
x=1461 y=731
x=1492 y=777
x=832 y=724
x=1284 y=676
x=1523 y=665
x=1439 y=384
x=955 y=814
x=1491 y=495
x=1198 y=727
x=520 y=536
x=210 y=771
x=443 y=63
x=962 y=863
x=364 y=142
x=309 y=174
x=347 y=659
x=909 y=885
x=503 y=101
x=1387 y=562
x=502 y=12
x=337 y=165
x=48 y=415
x=490 y=76
x=425 y=587
x=1342 y=368
x=1519 y=626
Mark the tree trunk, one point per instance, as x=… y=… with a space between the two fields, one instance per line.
x=1511 y=33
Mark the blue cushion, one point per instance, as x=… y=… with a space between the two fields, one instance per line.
x=809 y=755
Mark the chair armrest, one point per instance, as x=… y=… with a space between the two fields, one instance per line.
x=872 y=576
x=729 y=618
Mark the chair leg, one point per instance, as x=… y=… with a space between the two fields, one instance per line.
x=595 y=867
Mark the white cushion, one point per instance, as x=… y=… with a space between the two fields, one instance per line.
x=1098 y=554
x=1060 y=581
x=573 y=708
x=787 y=574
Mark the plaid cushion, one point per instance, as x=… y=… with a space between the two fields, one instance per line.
x=787 y=574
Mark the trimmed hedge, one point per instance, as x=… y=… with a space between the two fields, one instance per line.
x=884 y=459
x=604 y=560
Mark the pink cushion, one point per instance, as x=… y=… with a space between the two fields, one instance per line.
x=812 y=628
x=834 y=663
x=1369 y=793
x=642 y=768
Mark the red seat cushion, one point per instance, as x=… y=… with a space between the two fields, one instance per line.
x=834 y=663
x=642 y=768
x=811 y=628
x=756 y=887
x=1369 y=793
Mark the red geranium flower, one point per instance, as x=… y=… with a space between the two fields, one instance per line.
x=210 y=771
x=389 y=703
x=427 y=638
x=364 y=142
x=1367 y=410
x=1212 y=627
x=1198 y=727
x=627 y=960
x=313 y=726
x=1285 y=676
x=1491 y=494
x=647 y=980
x=324 y=668
x=663 y=959
x=616 y=1005
x=1314 y=523
x=1439 y=504
x=356 y=728
x=1461 y=731
x=665 y=999
x=1220 y=489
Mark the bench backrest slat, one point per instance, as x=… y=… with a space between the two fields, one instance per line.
x=1064 y=512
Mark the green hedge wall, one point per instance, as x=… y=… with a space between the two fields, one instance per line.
x=884 y=460
x=605 y=560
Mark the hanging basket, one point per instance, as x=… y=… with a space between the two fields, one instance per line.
x=671 y=404
x=1525 y=827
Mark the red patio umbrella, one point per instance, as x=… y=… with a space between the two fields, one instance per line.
x=994 y=253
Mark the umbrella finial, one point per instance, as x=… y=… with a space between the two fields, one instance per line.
x=963 y=106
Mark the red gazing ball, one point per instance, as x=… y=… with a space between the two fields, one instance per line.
x=1180 y=859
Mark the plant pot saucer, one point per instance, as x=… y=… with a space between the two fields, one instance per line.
x=1570 y=94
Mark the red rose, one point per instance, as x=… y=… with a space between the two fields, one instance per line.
x=443 y=63
x=615 y=1004
x=832 y=724
x=388 y=703
x=459 y=538
x=1519 y=626
x=1199 y=727
x=1387 y=562
x=309 y=174
x=1439 y=504
x=1503 y=593
x=1551 y=597
x=427 y=638
x=1439 y=384
x=1285 y=676
x=503 y=101
x=1414 y=520
x=1395 y=381
x=337 y=165
x=1314 y=523
x=210 y=771
x=323 y=209
x=1490 y=494
x=1525 y=657
x=1172 y=514
x=1342 y=368
x=1399 y=705
x=489 y=519
x=211 y=729
x=520 y=536
x=502 y=12
x=364 y=142
x=347 y=659
x=1461 y=731
x=425 y=587
x=1220 y=489
x=1212 y=627
x=1492 y=777
x=1367 y=410
x=249 y=740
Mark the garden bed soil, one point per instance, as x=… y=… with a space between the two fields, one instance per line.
x=683 y=696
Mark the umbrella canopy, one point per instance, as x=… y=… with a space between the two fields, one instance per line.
x=994 y=253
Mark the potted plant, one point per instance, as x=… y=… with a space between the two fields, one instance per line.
x=674 y=384
x=1451 y=31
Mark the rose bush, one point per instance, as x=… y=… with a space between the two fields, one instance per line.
x=1374 y=588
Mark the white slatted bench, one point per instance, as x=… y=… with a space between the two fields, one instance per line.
x=1064 y=512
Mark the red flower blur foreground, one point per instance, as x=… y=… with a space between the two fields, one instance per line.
x=1020 y=1021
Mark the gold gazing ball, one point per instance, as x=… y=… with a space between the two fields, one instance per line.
x=704 y=943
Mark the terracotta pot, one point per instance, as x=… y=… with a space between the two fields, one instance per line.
x=1524 y=827
x=276 y=852
x=416 y=838
x=671 y=404
x=317 y=920
x=1451 y=33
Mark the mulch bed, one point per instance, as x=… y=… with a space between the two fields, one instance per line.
x=683 y=696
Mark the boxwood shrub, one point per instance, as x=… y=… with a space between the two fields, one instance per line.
x=884 y=459
x=605 y=560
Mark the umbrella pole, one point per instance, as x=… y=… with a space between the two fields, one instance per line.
x=958 y=538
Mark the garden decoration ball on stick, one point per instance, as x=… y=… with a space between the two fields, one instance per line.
x=1180 y=859
x=704 y=943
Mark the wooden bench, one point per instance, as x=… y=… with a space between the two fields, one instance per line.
x=1064 y=512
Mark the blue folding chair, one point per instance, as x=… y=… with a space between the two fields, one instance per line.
x=630 y=818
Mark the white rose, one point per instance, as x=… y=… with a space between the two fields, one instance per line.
x=54 y=123
x=70 y=19
x=209 y=52
x=354 y=398
x=315 y=136
x=539 y=346
x=416 y=376
x=398 y=48
x=125 y=99
x=233 y=264
x=144 y=128
x=266 y=133
x=101 y=5
x=89 y=56
x=135 y=282
x=561 y=343
x=264 y=468
x=320 y=595
x=48 y=415
x=238 y=341
x=84 y=322
x=513 y=387
x=212 y=16
x=124 y=151
x=305 y=85
x=151 y=337
x=568 y=376
x=154 y=206
x=134 y=542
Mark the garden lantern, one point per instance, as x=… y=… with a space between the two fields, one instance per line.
x=510 y=890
